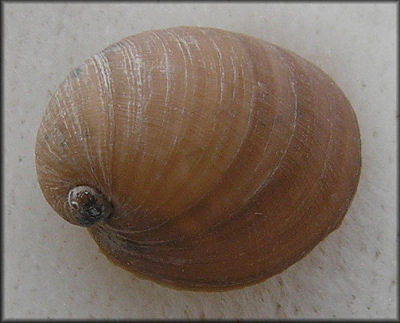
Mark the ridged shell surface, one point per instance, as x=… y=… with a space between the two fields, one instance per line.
x=225 y=158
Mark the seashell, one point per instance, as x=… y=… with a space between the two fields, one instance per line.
x=200 y=158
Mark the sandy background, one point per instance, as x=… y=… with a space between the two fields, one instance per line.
x=54 y=270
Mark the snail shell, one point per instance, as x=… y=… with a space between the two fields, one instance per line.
x=200 y=158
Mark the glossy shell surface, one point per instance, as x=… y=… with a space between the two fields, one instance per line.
x=224 y=158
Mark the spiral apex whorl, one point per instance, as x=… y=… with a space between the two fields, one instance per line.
x=88 y=205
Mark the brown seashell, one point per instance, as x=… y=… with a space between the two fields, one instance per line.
x=200 y=158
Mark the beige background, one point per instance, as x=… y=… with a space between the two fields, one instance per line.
x=54 y=270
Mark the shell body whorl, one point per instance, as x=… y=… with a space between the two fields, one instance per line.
x=224 y=158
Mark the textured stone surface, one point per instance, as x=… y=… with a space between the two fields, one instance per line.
x=54 y=270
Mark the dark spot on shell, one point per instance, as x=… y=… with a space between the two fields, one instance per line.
x=88 y=205
x=76 y=72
